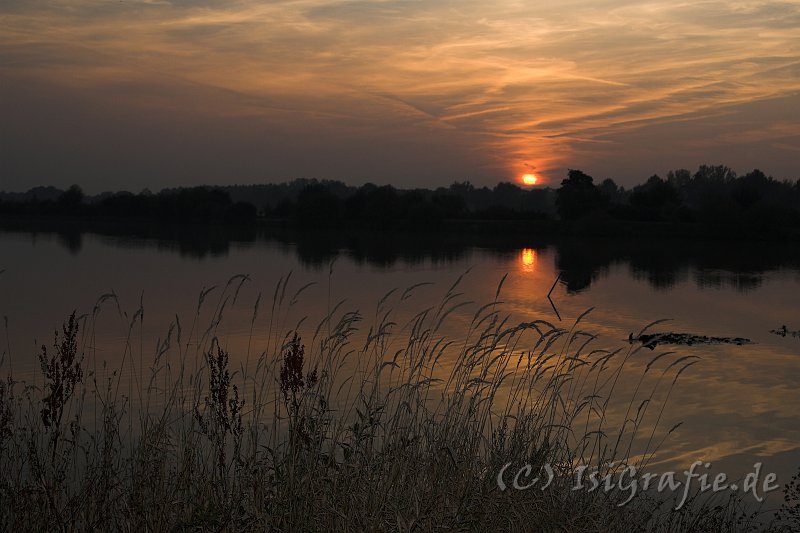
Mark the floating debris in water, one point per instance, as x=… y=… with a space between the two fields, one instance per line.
x=651 y=340
x=783 y=332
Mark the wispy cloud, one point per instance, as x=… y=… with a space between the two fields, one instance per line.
x=516 y=84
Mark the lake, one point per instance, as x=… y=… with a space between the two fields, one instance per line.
x=739 y=404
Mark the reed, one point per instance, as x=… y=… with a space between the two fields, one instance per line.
x=378 y=423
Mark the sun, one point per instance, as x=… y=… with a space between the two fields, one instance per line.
x=530 y=179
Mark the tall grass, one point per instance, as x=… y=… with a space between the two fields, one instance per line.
x=335 y=426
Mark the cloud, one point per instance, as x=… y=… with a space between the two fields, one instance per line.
x=521 y=84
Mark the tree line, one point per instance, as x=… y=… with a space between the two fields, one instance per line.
x=710 y=195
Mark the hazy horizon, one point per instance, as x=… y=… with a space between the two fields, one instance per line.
x=553 y=184
x=156 y=93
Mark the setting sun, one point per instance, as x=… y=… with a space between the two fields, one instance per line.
x=530 y=179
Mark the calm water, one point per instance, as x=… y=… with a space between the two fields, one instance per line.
x=739 y=405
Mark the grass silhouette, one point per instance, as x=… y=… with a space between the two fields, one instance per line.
x=370 y=424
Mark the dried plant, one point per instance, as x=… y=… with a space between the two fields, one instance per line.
x=292 y=382
x=789 y=513
x=223 y=408
x=7 y=410
x=62 y=371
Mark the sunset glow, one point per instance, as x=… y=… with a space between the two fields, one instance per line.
x=412 y=93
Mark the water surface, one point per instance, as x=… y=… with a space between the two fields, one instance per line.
x=739 y=405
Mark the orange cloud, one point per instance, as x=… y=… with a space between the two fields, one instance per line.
x=519 y=86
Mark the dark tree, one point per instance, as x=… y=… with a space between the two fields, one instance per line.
x=71 y=199
x=316 y=206
x=578 y=196
x=241 y=213
x=379 y=206
x=612 y=193
x=654 y=194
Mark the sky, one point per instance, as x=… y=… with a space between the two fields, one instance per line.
x=127 y=94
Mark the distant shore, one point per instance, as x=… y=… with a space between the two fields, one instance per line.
x=712 y=203
x=542 y=229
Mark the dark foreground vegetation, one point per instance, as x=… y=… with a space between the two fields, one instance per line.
x=337 y=426
x=713 y=201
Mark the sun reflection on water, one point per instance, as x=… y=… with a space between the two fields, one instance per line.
x=527 y=259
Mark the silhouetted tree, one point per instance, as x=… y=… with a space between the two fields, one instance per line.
x=447 y=204
x=316 y=206
x=577 y=196
x=509 y=195
x=679 y=178
x=750 y=189
x=612 y=193
x=378 y=206
x=654 y=194
x=125 y=204
x=714 y=174
x=71 y=199
x=241 y=213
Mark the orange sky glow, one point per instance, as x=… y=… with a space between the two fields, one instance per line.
x=157 y=92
